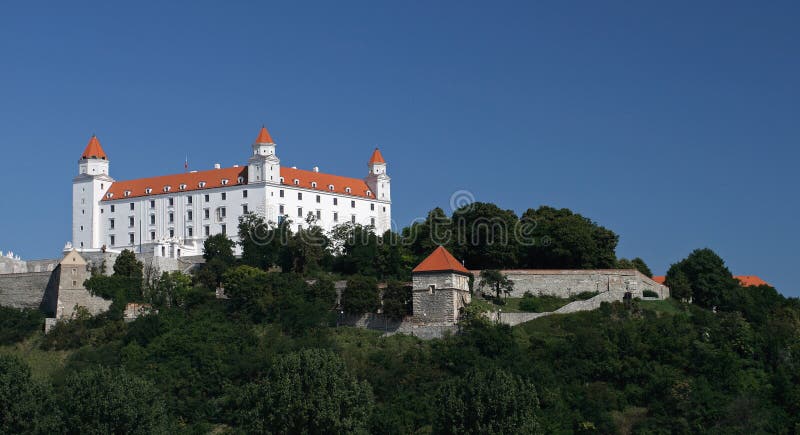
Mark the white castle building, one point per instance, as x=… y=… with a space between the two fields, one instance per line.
x=171 y=215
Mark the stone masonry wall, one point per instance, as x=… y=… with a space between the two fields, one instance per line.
x=565 y=283
x=24 y=290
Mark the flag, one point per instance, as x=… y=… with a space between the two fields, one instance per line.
x=186 y=163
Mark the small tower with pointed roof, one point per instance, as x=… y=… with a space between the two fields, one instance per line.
x=440 y=288
x=377 y=179
x=264 y=165
x=88 y=188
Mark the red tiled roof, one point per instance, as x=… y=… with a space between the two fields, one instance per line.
x=213 y=179
x=744 y=280
x=263 y=136
x=440 y=260
x=376 y=157
x=190 y=180
x=94 y=150
x=340 y=184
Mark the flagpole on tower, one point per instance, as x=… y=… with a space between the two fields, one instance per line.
x=186 y=164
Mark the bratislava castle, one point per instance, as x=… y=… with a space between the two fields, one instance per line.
x=171 y=215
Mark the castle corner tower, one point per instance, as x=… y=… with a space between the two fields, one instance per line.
x=264 y=165
x=88 y=188
x=440 y=288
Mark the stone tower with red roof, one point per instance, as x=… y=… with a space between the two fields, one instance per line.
x=87 y=191
x=440 y=288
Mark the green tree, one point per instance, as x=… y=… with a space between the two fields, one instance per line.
x=309 y=391
x=679 y=286
x=219 y=246
x=360 y=295
x=637 y=263
x=172 y=289
x=248 y=287
x=397 y=299
x=485 y=236
x=101 y=401
x=262 y=241
x=422 y=238
x=358 y=249
x=25 y=405
x=560 y=239
x=710 y=281
x=486 y=402
x=496 y=281
x=126 y=265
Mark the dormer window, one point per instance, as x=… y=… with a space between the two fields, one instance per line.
x=240 y=180
x=109 y=195
x=148 y=190
x=314 y=184
x=127 y=193
x=182 y=187
x=202 y=184
x=296 y=182
x=167 y=188
x=330 y=187
x=369 y=193
x=347 y=189
x=224 y=181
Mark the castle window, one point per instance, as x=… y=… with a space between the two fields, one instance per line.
x=190 y=231
x=431 y=288
x=281 y=179
x=280 y=209
x=152 y=204
x=319 y=214
x=189 y=215
x=372 y=207
x=314 y=184
x=127 y=193
x=280 y=193
x=74 y=283
x=148 y=191
x=299 y=212
x=170 y=202
x=111 y=223
x=182 y=187
x=330 y=187
x=244 y=208
x=244 y=194
x=171 y=232
x=384 y=209
x=299 y=195
x=353 y=218
x=132 y=206
x=296 y=182
x=109 y=195
x=221 y=213
x=167 y=188
x=202 y=184
x=224 y=196
x=130 y=221
x=335 y=217
x=171 y=217
x=347 y=189
x=152 y=235
x=369 y=193
x=206 y=213
x=224 y=229
x=189 y=199
x=224 y=181
x=152 y=219
x=207 y=197
x=240 y=180
x=335 y=201
x=207 y=230
x=112 y=209
x=352 y=204
x=372 y=221
x=319 y=198
x=131 y=238
x=112 y=240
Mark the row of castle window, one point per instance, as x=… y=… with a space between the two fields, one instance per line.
x=189 y=233
x=171 y=201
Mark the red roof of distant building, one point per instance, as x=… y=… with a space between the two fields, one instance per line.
x=210 y=179
x=94 y=150
x=263 y=136
x=744 y=280
x=440 y=260
x=377 y=157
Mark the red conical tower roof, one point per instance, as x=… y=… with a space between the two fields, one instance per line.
x=94 y=150
x=263 y=136
x=376 y=157
x=441 y=260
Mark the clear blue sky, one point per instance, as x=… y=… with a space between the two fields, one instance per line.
x=675 y=124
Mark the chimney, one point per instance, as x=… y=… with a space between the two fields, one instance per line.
x=294 y=167
x=316 y=168
x=217 y=166
x=235 y=166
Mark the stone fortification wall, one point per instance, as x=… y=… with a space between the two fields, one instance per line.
x=12 y=265
x=25 y=290
x=566 y=283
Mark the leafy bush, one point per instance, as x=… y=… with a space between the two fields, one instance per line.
x=16 y=324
